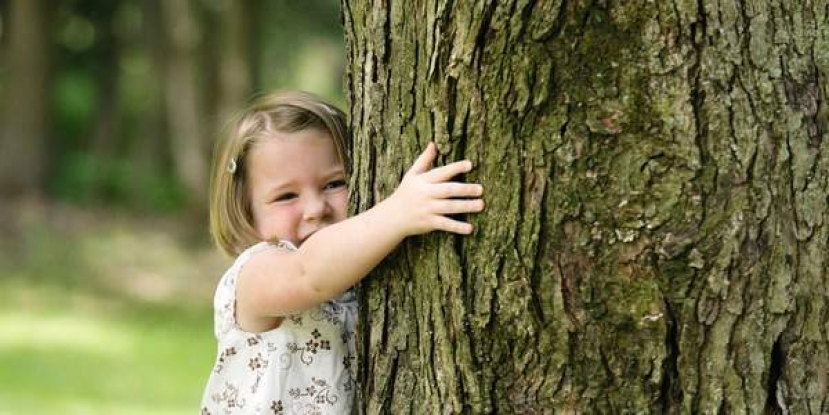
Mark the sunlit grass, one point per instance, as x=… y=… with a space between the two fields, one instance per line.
x=66 y=331
x=71 y=343
x=71 y=361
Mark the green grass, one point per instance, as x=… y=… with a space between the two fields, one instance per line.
x=80 y=335
x=64 y=361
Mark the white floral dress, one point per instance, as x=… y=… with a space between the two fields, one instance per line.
x=302 y=367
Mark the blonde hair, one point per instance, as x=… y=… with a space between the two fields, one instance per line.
x=231 y=221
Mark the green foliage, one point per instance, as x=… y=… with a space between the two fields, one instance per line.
x=75 y=102
x=84 y=179
x=76 y=33
x=110 y=116
x=303 y=47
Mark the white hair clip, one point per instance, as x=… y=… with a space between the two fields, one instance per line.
x=231 y=167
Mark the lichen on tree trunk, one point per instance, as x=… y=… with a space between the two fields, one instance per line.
x=656 y=188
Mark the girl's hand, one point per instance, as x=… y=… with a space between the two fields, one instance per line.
x=425 y=196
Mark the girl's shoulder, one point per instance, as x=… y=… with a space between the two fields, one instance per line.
x=261 y=246
x=229 y=278
x=224 y=301
x=253 y=250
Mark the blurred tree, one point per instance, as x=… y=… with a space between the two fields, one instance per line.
x=236 y=62
x=152 y=148
x=3 y=36
x=25 y=117
x=301 y=46
x=98 y=137
x=4 y=10
x=105 y=140
x=142 y=87
x=657 y=187
x=185 y=105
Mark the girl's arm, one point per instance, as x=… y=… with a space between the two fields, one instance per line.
x=278 y=282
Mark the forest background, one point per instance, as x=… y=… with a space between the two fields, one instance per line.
x=108 y=115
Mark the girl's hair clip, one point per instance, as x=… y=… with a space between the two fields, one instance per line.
x=231 y=167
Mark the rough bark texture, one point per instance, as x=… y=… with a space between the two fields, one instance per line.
x=656 y=182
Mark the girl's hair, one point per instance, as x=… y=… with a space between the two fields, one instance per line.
x=231 y=221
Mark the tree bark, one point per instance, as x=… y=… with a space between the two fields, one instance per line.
x=656 y=186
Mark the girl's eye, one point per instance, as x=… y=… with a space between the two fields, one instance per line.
x=285 y=197
x=336 y=184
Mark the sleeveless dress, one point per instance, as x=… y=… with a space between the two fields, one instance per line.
x=304 y=366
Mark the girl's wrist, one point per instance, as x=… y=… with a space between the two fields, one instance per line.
x=388 y=216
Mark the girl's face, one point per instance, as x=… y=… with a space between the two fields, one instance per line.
x=297 y=185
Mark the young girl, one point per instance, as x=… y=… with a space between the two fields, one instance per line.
x=284 y=313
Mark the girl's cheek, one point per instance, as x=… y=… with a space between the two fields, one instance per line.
x=340 y=201
x=285 y=213
x=285 y=220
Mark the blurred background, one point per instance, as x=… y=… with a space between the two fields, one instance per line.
x=109 y=110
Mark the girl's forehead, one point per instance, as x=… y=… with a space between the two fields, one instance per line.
x=293 y=136
x=294 y=148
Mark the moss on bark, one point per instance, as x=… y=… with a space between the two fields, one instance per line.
x=656 y=184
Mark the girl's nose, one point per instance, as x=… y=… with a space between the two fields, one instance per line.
x=316 y=208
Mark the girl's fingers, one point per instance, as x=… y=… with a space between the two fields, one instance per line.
x=452 y=207
x=454 y=226
x=424 y=160
x=457 y=189
x=444 y=173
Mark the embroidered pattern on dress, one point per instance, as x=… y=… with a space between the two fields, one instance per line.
x=258 y=365
x=230 y=397
x=223 y=358
x=277 y=408
x=319 y=391
x=247 y=362
x=311 y=348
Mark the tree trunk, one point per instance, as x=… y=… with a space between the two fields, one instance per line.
x=183 y=96
x=152 y=151
x=656 y=186
x=105 y=143
x=24 y=121
x=237 y=25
